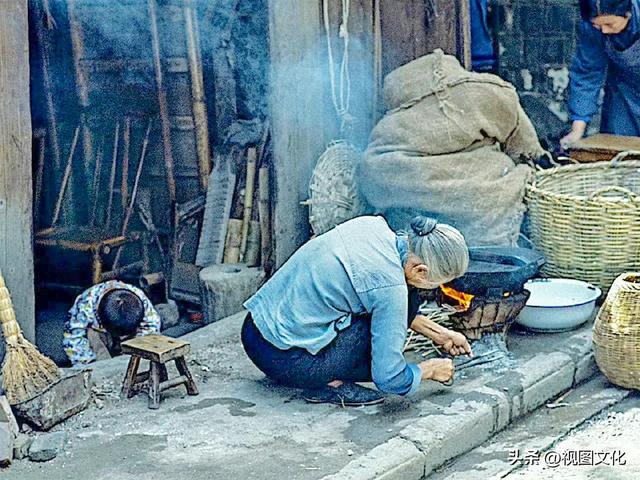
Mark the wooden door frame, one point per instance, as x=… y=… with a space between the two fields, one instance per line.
x=16 y=196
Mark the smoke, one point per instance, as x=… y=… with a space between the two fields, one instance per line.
x=95 y=61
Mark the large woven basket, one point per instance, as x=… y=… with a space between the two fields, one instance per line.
x=616 y=332
x=585 y=220
x=333 y=195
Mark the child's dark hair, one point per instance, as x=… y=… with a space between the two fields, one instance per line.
x=121 y=311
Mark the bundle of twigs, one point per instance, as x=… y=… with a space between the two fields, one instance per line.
x=25 y=371
x=440 y=314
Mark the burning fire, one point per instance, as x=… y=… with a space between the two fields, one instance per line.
x=463 y=299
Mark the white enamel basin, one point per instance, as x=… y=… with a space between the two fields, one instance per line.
x=558 y=304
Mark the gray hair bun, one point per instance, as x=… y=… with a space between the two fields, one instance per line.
x=423 y=226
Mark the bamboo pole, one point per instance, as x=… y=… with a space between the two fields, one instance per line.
x=264 y=213
x=124 y=188
x=162 y=102
x=43 y=48
x=112 y=177
x=252 y=156
x=198 y=94
x=252 y=255
x=82 y=84
x=65 y=178
x=233 y=241
x=96 y=184
x=40 y=135
x=134 y=193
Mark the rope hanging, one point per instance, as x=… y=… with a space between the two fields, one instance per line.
x=340 y=88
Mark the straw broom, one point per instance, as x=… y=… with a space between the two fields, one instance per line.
x=25 y=371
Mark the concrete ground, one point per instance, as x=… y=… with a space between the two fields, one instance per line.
x=243 y=426
x=611 y=440
x=587 y=413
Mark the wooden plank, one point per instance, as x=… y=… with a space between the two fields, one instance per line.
x=603 y=147
x=16 y=255
x=299 y=114
x=414 y=28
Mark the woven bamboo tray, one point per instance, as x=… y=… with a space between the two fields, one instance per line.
x=585 y=220
x=616 y=332
x=333 y=196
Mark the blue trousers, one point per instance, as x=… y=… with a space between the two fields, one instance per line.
x=346 y=358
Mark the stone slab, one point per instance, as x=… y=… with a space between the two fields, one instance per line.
x=6 y=416
x=21 y=446
x=6 y=444
x=63 y=399
x=47 y=446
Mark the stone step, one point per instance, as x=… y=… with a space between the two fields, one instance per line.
x=534 y=432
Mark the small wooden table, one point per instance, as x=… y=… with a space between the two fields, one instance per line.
x=159 y=350
x=603 y=147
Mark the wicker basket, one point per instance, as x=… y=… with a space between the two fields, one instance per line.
x=333 y=196
x=585 y=220
x=616 y=333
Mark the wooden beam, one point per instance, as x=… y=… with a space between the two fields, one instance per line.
x=16 y=255
x=299 y=114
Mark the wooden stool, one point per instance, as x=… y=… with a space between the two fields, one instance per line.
x=159 y=350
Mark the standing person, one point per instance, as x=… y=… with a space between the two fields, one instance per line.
x=608 y=55
x=111 y=310
x=483 y=58
x=337 y=311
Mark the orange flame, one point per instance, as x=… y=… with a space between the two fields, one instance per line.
x=464 y=299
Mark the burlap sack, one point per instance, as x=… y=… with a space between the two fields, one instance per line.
x=453 y=144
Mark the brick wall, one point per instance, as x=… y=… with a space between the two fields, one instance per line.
x=536 y=41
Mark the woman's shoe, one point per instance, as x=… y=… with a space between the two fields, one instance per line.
x=346 y=395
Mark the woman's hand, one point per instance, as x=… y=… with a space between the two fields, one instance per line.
x=456 y=344
x=577 y=132
x=438 y=369
x=453 y=343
